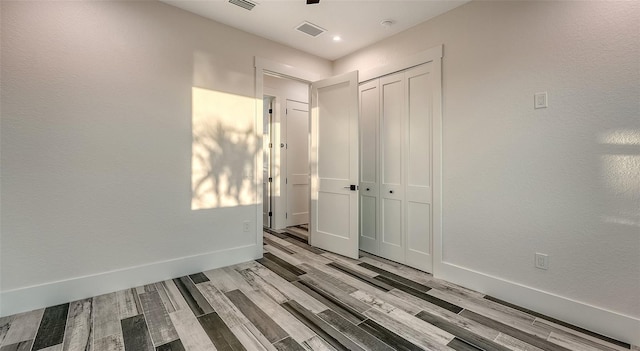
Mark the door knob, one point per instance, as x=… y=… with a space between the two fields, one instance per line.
x=351 y=187
x=390 y=191
x=367 y=189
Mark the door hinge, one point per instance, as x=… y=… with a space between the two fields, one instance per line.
x=286 y=111
x=286 y=215
x=270 y=214
x=286 y=180
x=270 y=110
x=270 y=179
x=270 y=145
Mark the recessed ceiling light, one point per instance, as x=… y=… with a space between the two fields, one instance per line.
x=337 y=38
x=387 y=23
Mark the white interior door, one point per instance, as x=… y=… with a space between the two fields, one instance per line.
x=266 y=161
x=334 y=164
x=369 y=179
x=297 y=163
x=392 y=127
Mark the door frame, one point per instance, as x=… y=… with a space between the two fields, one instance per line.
x=263 y=66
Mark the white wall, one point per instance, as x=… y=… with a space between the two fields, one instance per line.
x=97 y=145
x=565 y=180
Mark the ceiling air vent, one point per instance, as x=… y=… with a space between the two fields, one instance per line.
x=244 y=4
x=310 y=29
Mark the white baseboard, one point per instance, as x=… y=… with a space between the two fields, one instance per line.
x=54 y=293
x=598 y=320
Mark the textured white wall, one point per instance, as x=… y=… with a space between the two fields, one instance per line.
x=563 y=180
x=96 y=134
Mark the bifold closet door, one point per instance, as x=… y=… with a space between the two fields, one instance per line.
x=419 y=93
x=369 y=188
x=392 y=132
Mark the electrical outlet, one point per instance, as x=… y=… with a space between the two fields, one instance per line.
x=542 y=261
x=246 y=226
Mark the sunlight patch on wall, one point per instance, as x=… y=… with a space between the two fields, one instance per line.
x=224 y=146
x=620 y=166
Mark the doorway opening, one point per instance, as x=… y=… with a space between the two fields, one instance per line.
x=286 y=168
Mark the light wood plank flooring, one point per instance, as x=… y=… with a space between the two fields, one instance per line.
x=296 y=298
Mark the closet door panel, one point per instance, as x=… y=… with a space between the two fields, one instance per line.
x=419 y=167
x=369 y=187
x=392 y=132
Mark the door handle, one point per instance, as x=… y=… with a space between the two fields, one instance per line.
x=351 y=187
x=390 y=191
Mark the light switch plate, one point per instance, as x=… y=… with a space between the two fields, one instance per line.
x=540 y=100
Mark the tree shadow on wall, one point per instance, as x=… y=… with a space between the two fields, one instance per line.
x=223 y=164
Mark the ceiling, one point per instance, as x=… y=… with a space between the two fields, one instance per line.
x=357 y=22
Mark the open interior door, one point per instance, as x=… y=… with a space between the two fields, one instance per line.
x=334 y=164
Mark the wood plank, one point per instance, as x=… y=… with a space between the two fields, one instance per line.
x=461 y=333
x=395 y=267
x=127 y=306
x=289 y=290
x=257 y=283
x=267 y=326
x=353 y=332
x=461 y=345
x=349 y=262
x=514 y=344
x=109 y=343
x=175 y=345
x=192 y=296
x=229 y=313
x=288 y=344
x=376 y=302
x=387 y=336
x=557 y=328
x=517 y=319
x=219 y=333
x=5 y=323
x=252 y=339
x=317 y=343
x=541 y=316
x=314 y=272
x=289 y=324
x=52 y=325
x=277 y=269
x=514 y=332
x=161 y=288
x=574 y=342
x=57 y=347
x=421 y=295
x=284 y=264
x=333 y=337
x=273 y=243
x=449 y=316
x=79 y=332
x=199 y=278
x=135 y=334
x=174 y=295
x=190 y=331
x=349 y=314
x=106 y=318
x=159 y=323
x=413 y=329
x=400 y=279
x=364 y=278
x=23 y=327
x=20 y=346
x=334 y=294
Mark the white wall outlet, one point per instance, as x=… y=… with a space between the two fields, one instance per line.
x=540 y=100
x=246 y=225
x=542 y=261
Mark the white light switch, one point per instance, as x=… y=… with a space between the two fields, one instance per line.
x=540 y=100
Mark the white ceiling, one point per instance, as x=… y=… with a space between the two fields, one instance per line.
x=356 y=21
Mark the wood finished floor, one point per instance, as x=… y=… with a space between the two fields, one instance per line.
x=296 y=298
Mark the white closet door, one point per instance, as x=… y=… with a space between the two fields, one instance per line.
x=392 y=131
x=419 y=92
x=369 y=187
